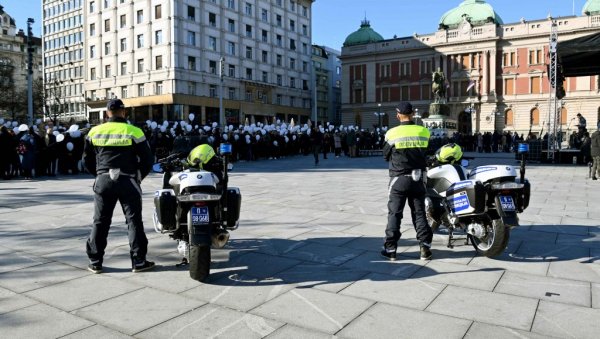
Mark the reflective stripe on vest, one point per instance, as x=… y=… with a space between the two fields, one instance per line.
x=408 y=136
x=115 y=134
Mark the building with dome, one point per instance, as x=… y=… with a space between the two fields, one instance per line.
x=496 y=72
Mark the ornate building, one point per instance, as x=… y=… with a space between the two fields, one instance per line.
x=496 y=72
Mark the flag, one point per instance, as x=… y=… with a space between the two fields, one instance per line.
x=471 y=85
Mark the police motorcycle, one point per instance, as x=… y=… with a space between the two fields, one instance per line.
x=196 y=209
x=483 y=202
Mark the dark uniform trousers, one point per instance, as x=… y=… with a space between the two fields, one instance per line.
x=401 y=189
x=127 y=191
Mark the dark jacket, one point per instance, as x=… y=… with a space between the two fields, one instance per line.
x=405 y=148
x=596 y=144
x=117 y=144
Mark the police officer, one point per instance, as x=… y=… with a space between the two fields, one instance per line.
x=204 y=157
x=404 y=149
x=119 y=155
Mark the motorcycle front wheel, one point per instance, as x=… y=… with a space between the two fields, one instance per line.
x=199 y=262
x=495 y=242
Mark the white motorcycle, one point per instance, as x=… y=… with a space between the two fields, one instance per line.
x=197 y=209
x=483 y=202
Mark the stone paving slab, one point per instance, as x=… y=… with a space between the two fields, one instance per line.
x=596 y=295
x=566 y=320
x=488 y=307
x=388 y=321
x=40 y=321
x=96 y=331
x=11 y=301
x=460 y=275
x=481 y=330
x=35 y=277
x=320 y=276
x=291 y=331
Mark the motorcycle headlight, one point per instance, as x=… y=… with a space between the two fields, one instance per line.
x=507 y=186
x=198 y=197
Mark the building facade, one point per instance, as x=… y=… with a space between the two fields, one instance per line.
x=13 y=67
x=496 y=73
x=163 y=58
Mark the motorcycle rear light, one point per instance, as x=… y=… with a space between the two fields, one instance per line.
x=200 y=203
x=507 y=186
x=198 y=197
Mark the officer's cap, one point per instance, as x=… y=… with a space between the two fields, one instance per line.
x=404 y=108
x=115 y=104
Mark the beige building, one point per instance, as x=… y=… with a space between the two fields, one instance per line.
x=162 y=58
x=13 y=67
x=506 y=64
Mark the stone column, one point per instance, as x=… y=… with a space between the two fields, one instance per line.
x=493 y=58
x=485 y=72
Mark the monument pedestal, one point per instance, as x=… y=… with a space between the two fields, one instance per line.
x=439 y=122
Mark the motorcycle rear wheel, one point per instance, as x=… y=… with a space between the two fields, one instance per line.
x=199 y=262
x=495 y=242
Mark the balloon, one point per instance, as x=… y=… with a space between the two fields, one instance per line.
x=225 y=137
x=70 y=146
x=192 y=116
x=75 y=134
x=23 y=128
x=214 y=124
x=153 y=125
x=257 y=137
x=60 y=138
x=188 y=128
x=14 y=124
x=38 y=121
x=1 y=121
x=73 y=128
x=163 y=128
x=55 y=133
x=148 y=122
x=236 y=137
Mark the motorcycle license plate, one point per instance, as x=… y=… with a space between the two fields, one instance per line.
x=507 y=203
x=200 y=215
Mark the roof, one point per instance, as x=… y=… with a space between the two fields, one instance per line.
x=364 y=35
x=591 y=7
x=477 y=12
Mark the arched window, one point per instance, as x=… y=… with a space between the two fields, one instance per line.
x=563 y=116
x=534 y=116
x=357 y=120
x=508 y=117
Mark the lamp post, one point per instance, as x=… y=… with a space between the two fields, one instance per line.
x=379 y=114
x=221 y=75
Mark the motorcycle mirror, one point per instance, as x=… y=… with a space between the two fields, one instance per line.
x=229 y=166
x=156 y=168
x=464 y=162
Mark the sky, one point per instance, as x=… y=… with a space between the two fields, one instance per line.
x=334 y=20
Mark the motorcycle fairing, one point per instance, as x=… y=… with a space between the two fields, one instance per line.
x=490 y=172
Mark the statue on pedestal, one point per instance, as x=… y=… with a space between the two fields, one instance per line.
x=439 y=87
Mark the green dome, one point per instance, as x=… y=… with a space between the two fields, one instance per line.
x=477 y=12
x=591 y=7
x=364 y=35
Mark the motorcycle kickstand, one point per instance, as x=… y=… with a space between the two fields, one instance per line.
x=183 y=262
x=450 y=237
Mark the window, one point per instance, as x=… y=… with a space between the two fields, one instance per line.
x=292 y=44
x=279 y=80
x=385 y=71
x=212 y=43
x=158 y=62
x=404 y=93
x=248 y=31
x=265 y=76
x=92 y=6
x=231 y=4
x=106 y=3
x=248 y=95
x=191 y=63
x=157 y=12
x=123 y=44
x=92 y=74
x=265 y=56
x=232 y=71
x=509 y=59
x=107 y=25
x=159 y=87
x=536 y=57
x=304 y=48
x=212 y=19
x=191 y=38
x=232 y=93
x=279 y=99
x=265 y=36
x=123 y=68
x=140 y=16
x=158 y=37
x=212 y=91
x=212 y=67
x=305 y=11
x=140 y=65
x=535 y=85
x=509 y=86
x=92 y=52
x=292 y=63
x=278 y=2
x=305 y=85
x=264 y=15
x=231 y=24
x=92 y=29
x=248 y=8
x=278 y=20
x=293 y=82
x=124 y=92
x=140 y=40
x=304 y=29
x=107 y=71
x=404 y=69
x=248 y=52
x=279 y=58
x=191 y=13
x=292 y=101
x=508 y=117
x=106 y=48
x=141 y=90
x=192 y=88
x=279 y=40
x=304 y=66
x=292 y=25
x=534 y=116
x=231 y=48
x=248 y=73
x=122 y=21
x=425 y=93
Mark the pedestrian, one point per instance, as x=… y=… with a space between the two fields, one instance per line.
x=585 y=149
x=337 y=142
x=405 y=149
x=119 y=156
x=595 y=153
x=581 y=124
x=316 y=141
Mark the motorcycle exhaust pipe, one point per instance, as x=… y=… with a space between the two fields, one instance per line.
x=219 y=238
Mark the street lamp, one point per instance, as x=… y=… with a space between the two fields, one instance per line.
x=379 y=114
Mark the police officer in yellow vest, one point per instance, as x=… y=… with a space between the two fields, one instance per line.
x=404 y=149
x=203 y=157
x=119 y=156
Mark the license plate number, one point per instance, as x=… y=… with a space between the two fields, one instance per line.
x=200 y=215
x=507 y=203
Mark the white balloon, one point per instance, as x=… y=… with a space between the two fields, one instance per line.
x=153 y=125
x=16 y=130
x=163 y=128
x=1 y=121
x=148 y=122
x=23 y=128
x=225 y=137
x=214 y=124
x=192 y=116
x=14 y=124
x=75 y=134
x=73 y=128
x=257 y=137
x=55 y=133
x=70 y=146
x=236 y=137
x=38 y=121
x=60 y=138
x=188 y=127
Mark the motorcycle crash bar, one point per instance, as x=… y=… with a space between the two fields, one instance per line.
x=198 y=197
x=507 y=186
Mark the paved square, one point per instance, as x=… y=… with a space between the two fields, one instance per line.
x=304 y=263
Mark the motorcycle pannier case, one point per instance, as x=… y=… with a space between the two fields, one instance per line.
x=466 y=197
x=166 y=207
x=234 y=202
